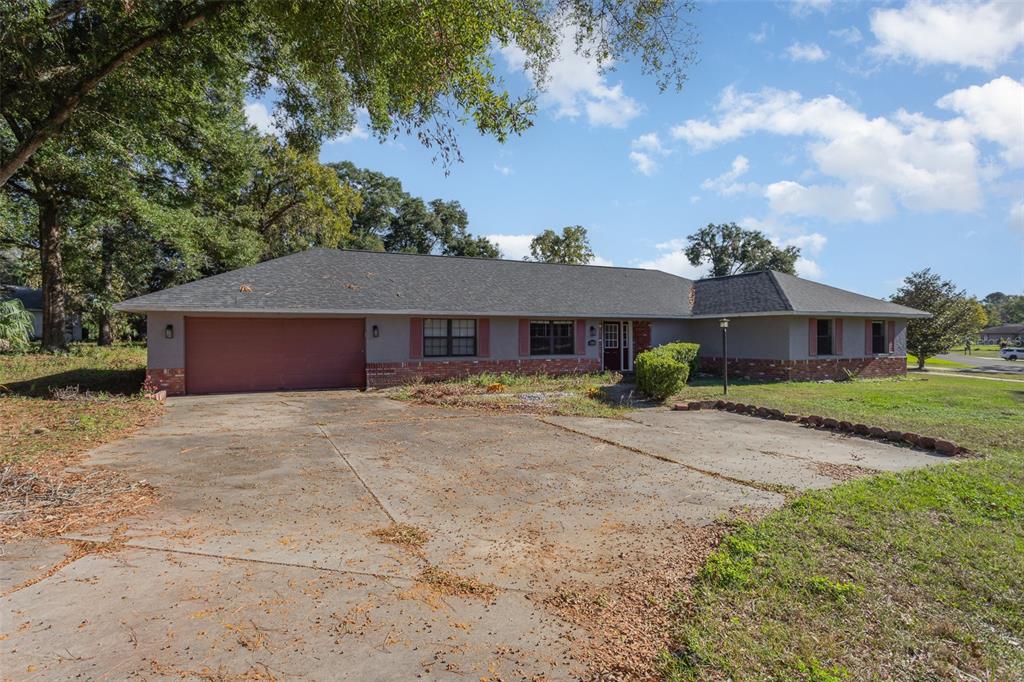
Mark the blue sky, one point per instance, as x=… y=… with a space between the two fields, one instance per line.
x=880 y=138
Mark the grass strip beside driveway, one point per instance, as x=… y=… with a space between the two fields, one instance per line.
x=915 y=575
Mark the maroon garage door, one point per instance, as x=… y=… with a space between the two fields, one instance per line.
x=226 y=354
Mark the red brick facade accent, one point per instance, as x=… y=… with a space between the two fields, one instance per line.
x=641 y=337
x=385 y=374
x=170 y=380
x=814 y=369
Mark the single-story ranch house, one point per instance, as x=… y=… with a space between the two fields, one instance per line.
x=327 y=318
x=1010 y=333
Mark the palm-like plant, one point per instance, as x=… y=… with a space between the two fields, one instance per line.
x=15 y=327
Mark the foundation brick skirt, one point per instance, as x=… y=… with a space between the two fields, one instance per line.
x=170 y=380
x=386 y=374
x=815 y=369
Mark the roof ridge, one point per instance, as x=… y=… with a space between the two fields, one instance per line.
x=778 y=288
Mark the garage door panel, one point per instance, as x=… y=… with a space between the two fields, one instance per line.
x=225 y=355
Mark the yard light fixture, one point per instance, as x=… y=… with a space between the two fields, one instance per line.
x=376 y=331
x=724 y=324
x=169 y=331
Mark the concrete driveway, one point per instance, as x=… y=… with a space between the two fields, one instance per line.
x=260 y=560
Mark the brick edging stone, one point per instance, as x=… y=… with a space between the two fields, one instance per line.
x=939 y=445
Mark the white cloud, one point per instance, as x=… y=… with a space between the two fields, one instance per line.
x=810 y=52
x=922 y=163
x=643 y=163
x=646 y=149
x=761 y=35
x=726 y=184
x=1017 y=215
x=994 y=111
x=802 y=8
x=671 y=259
x=576 y=85
x=504 y=170
x=597 y=260
x=513 y=246
x=981 y=35
x=850 y=36
x=259 y=117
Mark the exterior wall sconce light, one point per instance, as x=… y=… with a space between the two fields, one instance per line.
x=724 y=324
x=169 y=331
x=376 y=331
x=593 y=331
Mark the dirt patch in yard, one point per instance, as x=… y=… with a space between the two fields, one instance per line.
x=629 y=625
x=44 y=490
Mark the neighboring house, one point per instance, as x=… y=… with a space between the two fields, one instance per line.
x=1011 y=333
x=327 y=318
x=32 y=299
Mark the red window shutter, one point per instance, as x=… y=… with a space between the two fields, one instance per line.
x=890 y=334
x=868 y=346
x=483 y=337
x=415 y=337
x=839 y=336
x=812 y=337
x=581 y=337
x=524 y=337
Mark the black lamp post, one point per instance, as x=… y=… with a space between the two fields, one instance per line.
x=724 y=324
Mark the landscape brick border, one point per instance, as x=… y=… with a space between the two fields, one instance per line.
x=939 y=445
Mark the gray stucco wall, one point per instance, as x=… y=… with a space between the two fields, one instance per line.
x=853 y=338
x=749 y=337
x=165 y=353
x=668 y=331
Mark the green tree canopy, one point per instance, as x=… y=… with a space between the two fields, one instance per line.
x=955 y=316
x=413 y=66
x=390 y=219
x=572 y=246
x=730 y=250
x=1004 y=308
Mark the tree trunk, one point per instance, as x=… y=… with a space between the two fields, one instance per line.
x=103 y=317
x=54 y=319
x=920 y=361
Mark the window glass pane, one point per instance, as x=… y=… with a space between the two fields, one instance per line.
x=564 y=345
x=540 y=345
x=878 y=337
x=462 y=345
x=824 y=337
x=540 y=329
x=435 y=327
x=611 y=335
x=463 y=327
x=435 y=346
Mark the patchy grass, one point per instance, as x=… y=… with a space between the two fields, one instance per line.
x=53 y=408
x=588 y=395
x=914 y=575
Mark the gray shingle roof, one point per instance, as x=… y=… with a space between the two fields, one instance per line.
x=31 y=298
x=360 y=282
x=1004 y=329
x=367 y=282
x=769 y=292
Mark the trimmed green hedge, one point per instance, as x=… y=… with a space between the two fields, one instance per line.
x=663 y=371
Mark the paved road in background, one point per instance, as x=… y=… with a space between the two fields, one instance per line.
x=982 y=364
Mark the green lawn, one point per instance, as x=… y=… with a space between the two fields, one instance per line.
x=900 y=576
x=35 y=421
x=935 y=362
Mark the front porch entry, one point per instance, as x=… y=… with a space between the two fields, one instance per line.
x=617 y=341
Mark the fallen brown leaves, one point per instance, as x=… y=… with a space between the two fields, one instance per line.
x=454 y=585
x=628 y=624
x=404 y=535
x=76 y=550
x=843 y=472
x=43 y=490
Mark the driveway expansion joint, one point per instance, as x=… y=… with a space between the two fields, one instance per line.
x=766 y=487
x=380 y=503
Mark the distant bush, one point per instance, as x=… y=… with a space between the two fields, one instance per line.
x=663 y=371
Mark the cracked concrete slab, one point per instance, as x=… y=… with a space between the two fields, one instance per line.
x=261 y=556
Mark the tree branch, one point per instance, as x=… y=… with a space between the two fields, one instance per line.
x=62 y=109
